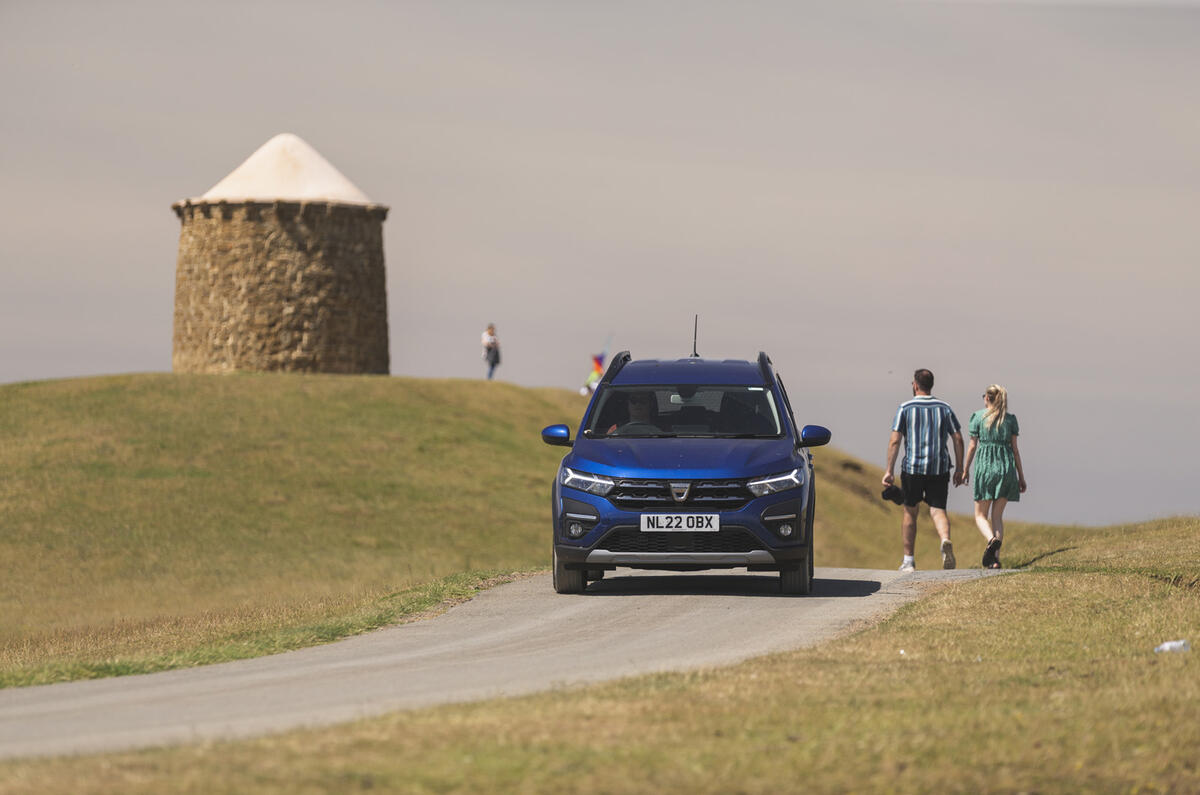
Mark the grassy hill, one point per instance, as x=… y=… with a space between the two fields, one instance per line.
x=156 y=521
x=153 y=521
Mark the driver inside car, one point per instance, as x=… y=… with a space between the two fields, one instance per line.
x=640 y=419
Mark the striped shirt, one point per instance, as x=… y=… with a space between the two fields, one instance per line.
x=926 y=423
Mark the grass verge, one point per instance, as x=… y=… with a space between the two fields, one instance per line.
x=260 y=631
x=1041 y=681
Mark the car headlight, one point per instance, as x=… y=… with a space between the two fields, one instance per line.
x=774 y=483
x=593 y=484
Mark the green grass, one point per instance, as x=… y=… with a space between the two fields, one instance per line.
x=1040 y=681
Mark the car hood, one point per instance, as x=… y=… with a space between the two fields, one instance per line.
x=682 y=458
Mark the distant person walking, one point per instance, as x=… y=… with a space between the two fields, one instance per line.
x=925 y=424
x=491 y=349
x=999 y=476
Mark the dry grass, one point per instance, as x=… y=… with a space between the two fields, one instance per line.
x=168 y=515
x=1166 y=549
x=127 y=648
x=1043 y=681
x=855 y=527
x=156 y=521
x=153 y=520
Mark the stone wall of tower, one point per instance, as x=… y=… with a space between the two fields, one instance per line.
x=280 y=286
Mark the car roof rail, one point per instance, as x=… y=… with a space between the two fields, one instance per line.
x=764 y=365
x=614 y=367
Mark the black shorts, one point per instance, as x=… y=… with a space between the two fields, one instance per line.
x=933 y=489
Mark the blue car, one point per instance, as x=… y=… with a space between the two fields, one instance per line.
x=684 y=465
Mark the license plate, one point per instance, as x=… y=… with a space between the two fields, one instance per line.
x=681 y=522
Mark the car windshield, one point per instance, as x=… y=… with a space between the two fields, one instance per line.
x=684 y=410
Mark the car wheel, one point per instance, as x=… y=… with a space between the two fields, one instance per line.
x=567 y=580
x=812 y=512
x=795 y=581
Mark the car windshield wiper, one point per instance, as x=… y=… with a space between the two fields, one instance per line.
x=646 y=436
x=749 y=436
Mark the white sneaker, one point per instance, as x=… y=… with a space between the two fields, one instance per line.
x=947 y=555
x=908 y=566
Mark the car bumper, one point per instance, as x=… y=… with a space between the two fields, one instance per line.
x=746 y=539
x=755 y=557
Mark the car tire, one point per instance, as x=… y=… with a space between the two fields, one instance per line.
x=812 y=513
x=795 y=581
x=568 y=580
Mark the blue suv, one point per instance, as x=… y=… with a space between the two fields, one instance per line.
x=685 y=465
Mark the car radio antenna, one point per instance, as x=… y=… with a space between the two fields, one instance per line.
x=695 y=330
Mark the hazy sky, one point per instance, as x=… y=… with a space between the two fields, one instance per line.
x=1000 y=192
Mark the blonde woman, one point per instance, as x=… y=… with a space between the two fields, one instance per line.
x=999 y=477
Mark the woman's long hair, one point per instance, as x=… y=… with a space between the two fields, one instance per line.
x=998 y=409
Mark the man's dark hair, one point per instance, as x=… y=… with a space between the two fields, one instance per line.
x=924 y=379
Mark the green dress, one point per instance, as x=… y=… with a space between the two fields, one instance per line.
x=995 y=467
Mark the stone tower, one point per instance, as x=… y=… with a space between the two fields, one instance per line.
x=281 y=268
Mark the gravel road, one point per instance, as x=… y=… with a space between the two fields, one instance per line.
x=517 y=638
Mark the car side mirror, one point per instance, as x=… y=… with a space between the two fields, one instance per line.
x=814 y=436
x=557 y=435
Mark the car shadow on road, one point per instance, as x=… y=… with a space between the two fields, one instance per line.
x=724 y=585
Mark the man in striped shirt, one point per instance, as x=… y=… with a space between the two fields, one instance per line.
x=925 y=423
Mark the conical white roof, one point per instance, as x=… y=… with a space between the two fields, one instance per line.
x=286 y=168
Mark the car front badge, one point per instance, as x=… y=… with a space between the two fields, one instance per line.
x=680 y=491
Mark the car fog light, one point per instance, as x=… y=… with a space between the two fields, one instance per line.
x=785 y=530
x=575 y=529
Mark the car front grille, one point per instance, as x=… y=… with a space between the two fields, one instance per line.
x=727 y=539
x=640 y=495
